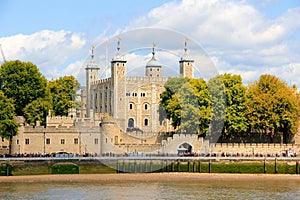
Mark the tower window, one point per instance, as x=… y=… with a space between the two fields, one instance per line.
x=146 y=122
x=75 y=140
x=26 y=141
x=146 y=106
x=157 y=69
x=62 y=141
x=130 y=106
x=151 y=69
x=48 y=141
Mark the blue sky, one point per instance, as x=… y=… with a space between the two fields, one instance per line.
x=247 y=37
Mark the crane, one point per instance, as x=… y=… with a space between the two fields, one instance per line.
x=2 y=53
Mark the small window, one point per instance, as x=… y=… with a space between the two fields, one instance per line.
x=146 y=122
x=75 y=140
x=62 y=141
x=157 y=69
x=17 y=141
x=96 y=140
x=157 y=75
x=151 y=69
x=130 y=106
x=146 y=106
x=26 y=141
x=48 y=141
x=105 y=140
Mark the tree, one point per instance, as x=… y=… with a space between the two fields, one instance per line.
x=236 y=120
x=273 y=107
x=186 y=102
x=22 y=82
x=63 y=93
x=37 y=110
x=218 y=107
x=8 y=125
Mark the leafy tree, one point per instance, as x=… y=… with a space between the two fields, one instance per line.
x=273 y=107
x=37 y=110
x=8 y=125
x=218 y=107
x=22 y=82
x=63 y=93
x=236 y=121
x=186 y=102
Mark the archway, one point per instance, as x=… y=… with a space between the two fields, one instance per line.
x=130 y=123
x=184 y=149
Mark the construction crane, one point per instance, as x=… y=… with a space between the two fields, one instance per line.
x=2 y=53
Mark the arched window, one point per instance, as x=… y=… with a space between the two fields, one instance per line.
x=130 y=122
x=146 y=106
x=130 y=106
x=146 y=122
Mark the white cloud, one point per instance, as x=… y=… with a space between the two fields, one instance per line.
x=50 y=50
x=236 y=34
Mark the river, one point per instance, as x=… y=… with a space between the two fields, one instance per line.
x=158 y=189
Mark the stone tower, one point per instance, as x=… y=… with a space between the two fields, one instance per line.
x=92 y=74
x=186 y=66
x=118 y=87
x=153 y=68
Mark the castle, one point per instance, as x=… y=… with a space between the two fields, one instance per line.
x=119 y=115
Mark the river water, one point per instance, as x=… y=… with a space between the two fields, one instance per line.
x=123 y=190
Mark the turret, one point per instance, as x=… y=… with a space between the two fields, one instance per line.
x=153 y=67
x=186 y=65
x=92 y=74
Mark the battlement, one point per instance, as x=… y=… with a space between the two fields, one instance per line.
x=147 y=79
x=49 y=129
x=100 y=81
x=59 y=121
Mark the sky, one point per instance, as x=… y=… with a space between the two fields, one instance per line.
x=246 y=37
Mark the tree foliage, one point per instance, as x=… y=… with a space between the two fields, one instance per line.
x=273 y=107
x=63 y=94
x=22 y=82
x=8 y=124
x=236 y=120
x=37 y=110
x=186 y=102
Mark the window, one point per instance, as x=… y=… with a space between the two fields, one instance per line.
x=143 y=94
x=48 y=141
x=130 y=106
x=75 y=140
x=62 y=141
x=105 y=140
x=146 y=106
x=96 y=140
x=157 y=69
x=17 y=141
x=26 y=141
x=151 y=69
x=146 y=122
x=157 y=75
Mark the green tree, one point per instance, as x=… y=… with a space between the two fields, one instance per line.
x=218 y=107
x=273 y=107
x=236 y=120
x=63 y=93
x=22 y=82
x=8 y=125
x=186 y=102
x=37 y=110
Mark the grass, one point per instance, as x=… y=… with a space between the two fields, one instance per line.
x=215 y=167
